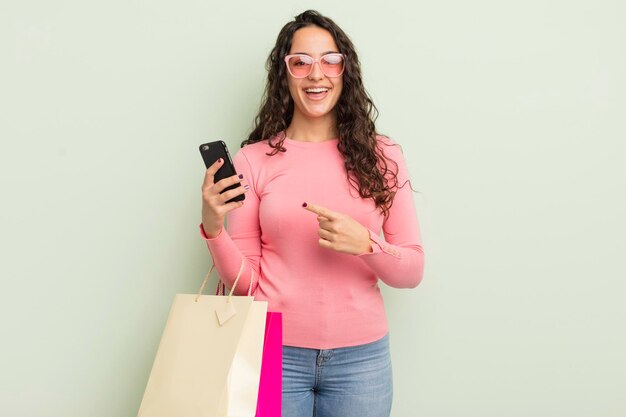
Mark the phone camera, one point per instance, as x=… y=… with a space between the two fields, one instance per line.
x=205 y=147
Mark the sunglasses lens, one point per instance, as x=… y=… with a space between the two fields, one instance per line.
x=332 y=65
x=300 y=65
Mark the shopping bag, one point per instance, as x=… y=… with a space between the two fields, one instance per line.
x=269 y=402
x=209 y=359
x=270 y=389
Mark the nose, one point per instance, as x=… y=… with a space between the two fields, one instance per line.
x=316 y=71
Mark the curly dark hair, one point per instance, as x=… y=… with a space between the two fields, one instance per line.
x=367 y=168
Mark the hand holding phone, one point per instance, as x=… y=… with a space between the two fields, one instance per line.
x=222 y=190
x=213 y=151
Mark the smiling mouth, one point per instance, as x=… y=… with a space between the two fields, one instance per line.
x=318 y=92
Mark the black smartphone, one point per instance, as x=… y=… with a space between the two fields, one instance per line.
x=213 y=151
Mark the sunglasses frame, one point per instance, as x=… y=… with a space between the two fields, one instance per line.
x=316 y=61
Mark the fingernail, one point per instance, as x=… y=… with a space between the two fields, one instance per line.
x=240 y=176
x=247 y=187
x=219 y=160
x=304 y=204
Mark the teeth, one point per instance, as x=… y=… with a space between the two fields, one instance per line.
x=316 y=90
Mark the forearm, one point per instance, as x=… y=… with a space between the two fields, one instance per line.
x=227 y=258
x=399 y=266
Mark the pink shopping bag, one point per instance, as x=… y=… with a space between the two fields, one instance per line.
x=270 y=387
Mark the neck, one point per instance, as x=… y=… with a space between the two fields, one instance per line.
x=312 y=130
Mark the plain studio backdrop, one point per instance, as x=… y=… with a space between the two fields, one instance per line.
x=511 y=115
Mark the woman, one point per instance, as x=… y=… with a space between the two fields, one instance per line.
x=319 y=185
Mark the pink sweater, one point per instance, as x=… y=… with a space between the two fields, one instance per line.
x=328 y=299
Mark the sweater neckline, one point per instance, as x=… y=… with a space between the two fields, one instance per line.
x=302 y=144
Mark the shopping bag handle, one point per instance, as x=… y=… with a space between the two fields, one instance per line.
x=232 y=290
x=221 y=287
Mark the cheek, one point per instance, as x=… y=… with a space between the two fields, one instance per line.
x=339 y=88
x=293 y=88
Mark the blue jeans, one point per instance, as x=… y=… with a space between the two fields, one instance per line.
x=353 y=381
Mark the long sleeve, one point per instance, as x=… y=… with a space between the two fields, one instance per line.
x=398 y=259
x=241 y=239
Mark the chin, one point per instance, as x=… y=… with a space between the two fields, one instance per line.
x=317 y=114
x=317 y=111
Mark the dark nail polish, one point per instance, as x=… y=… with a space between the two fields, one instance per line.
x=240 y=176
x=304 y=204
x=219 y=161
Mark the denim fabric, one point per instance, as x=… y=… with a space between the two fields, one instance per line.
x=353 y=381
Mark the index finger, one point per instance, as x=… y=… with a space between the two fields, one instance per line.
x=320 y=211
x=209 y=177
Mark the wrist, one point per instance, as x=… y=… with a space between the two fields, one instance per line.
x=211 y=233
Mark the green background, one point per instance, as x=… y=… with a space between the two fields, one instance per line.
x=511 y=116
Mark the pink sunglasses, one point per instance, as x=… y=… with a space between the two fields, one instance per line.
x=301 y=65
